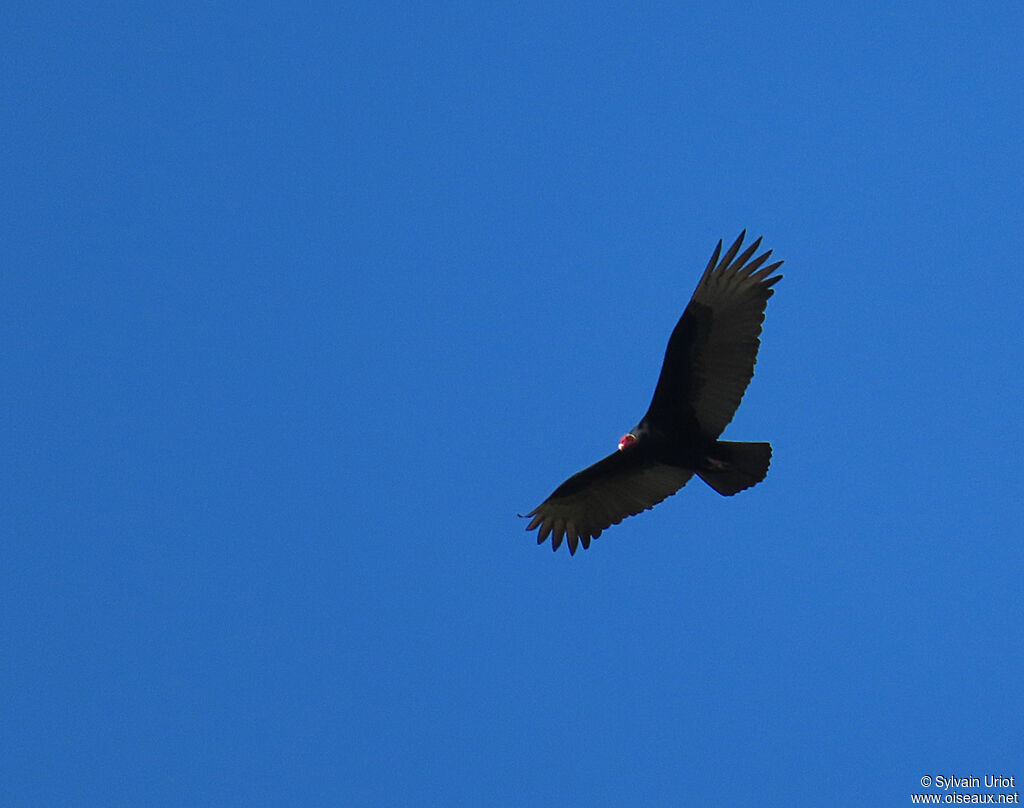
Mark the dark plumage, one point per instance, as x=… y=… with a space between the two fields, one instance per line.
x=708 y=364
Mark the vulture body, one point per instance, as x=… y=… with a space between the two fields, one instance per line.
x=708 y=363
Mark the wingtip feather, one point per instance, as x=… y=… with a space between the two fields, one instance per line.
x=714 y=260
x=731 y=252
x=745 y=255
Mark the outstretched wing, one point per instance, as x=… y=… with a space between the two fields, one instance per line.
x=623 y=484
x=712 y=351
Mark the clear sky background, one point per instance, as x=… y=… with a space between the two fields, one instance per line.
x=300 y=306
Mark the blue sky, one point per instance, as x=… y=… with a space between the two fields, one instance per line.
x=301 y=306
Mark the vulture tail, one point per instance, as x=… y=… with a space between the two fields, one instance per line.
x=736 y=466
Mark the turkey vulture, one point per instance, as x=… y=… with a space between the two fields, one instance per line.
x=708 y=364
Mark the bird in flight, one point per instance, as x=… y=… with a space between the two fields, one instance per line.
x=708 y=363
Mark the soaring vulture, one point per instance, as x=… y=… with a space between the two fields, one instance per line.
x=708 y=364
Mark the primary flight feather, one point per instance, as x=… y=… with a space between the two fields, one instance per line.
x=708 y=363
